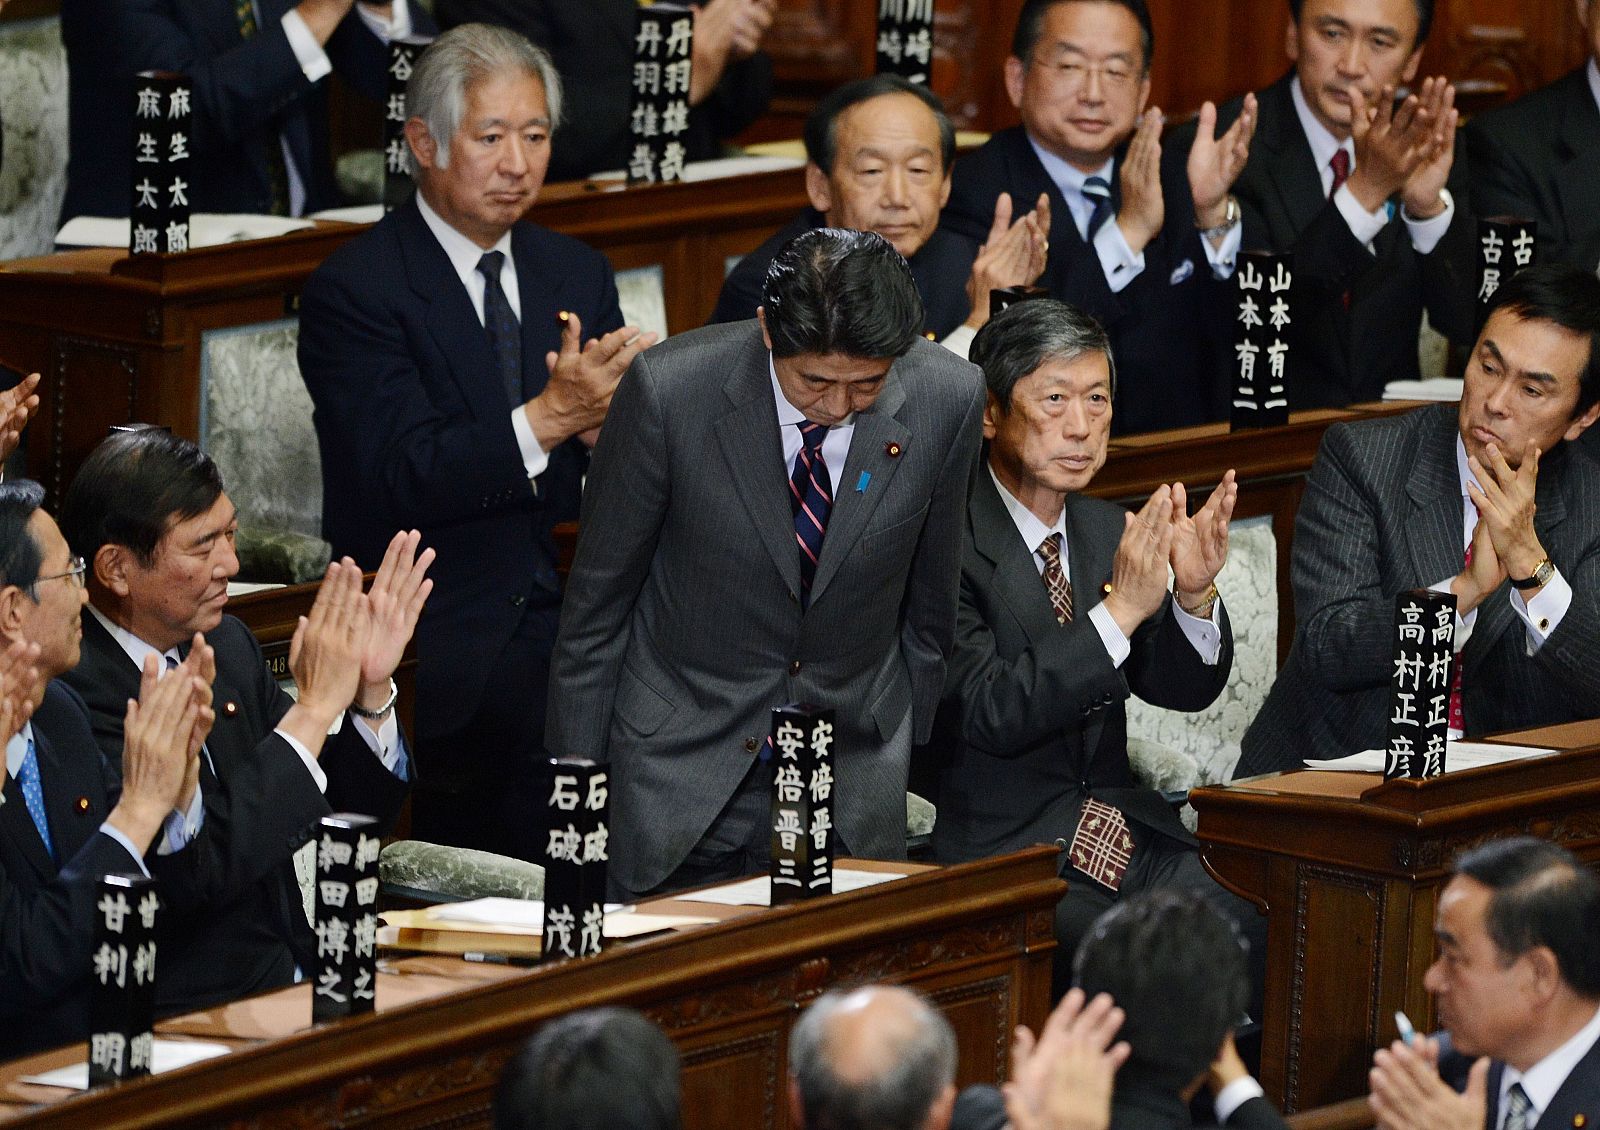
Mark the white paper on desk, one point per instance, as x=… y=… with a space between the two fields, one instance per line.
x=758 y=891
x=353 y=214
x=719 y=167
x=1446 y=389
x=206 y=229
x=526 y=916
x=167 y=1055
x=1457 y=756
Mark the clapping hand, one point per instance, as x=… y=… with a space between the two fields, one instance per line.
x=17 y=404
x=1013 y=255
x=1216 y=162
x=1139 y=571
x=326 y=653
x=1407 y=1093
x=1200 y=543
x=395 y=600
x=1143 y=209
x=1063 y=1080
x=19 y=683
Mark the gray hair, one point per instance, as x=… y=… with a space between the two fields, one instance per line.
x=460 y=59
x=1026 y=334
x=922 y=1064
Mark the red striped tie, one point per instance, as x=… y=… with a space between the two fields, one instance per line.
x=811 y=496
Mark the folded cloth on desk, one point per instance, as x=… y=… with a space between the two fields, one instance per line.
x=206 y=229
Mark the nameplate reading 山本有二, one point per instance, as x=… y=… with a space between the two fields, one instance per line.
x=1419 y=685
x=1506 y=245
x=122 y=985
x=163 y=141
x=397 y=183
x=905 y=39
x=658 y=121
x=802 y=803
x=347 y=917
x=1003 y=296
x=575 y=859
x=1263 y=315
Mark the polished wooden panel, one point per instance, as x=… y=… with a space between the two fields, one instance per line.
x=976 y=938
x=1349 y=867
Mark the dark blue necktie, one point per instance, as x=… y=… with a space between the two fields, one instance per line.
x=33 y=796
x=505 y=332
x=811 y=496
x=1098 y=193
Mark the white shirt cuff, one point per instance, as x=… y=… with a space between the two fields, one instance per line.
x=1426 y=234
x=317 y=775
x=534 y=458
x=181 y=826
x=1117 y=260
x=1463 y=623
x=1543 y=613
x=1117 y=646
x=397 y=26
x=385 y=743
x=1235 y=1095
x=1224 y=258
x=1203 y=635
x=959 y=340
x=134 y=853
x=1364 y=225
x=308 y=52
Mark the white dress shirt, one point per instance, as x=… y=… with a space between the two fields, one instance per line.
x=1203 y=635
x=464 y=256
x=1364 y=225
x=17 y=750
x=1541 y=1081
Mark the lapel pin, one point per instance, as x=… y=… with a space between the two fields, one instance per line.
x=230 y=708
x=930 y=335
x=892 y=449
x=1579 y=1121
x=83 y=804
x=861 y=483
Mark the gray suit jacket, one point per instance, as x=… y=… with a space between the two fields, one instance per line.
x=1382 y=514
x=1033 y=719
x=682 y=628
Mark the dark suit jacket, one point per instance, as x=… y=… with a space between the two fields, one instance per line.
x=1539 y=158
x=682 y=626
x=1343 y=352
x=1382 y=514
x=247 y=94
x=940 y=266
x=591 y=42
x=1033 y=718
x=415 y=430
x=1578 y=1097
x=46 y=908
x=982 y=1107
x=239 y=926
x=1168 y=327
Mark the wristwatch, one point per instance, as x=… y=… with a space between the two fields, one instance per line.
x=1542 y=573
x=1230 y=216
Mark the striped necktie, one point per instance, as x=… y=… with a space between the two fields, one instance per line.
x=1517 y=1106
x=505 y=332
x=1098 y=193
x=33 y=795
x=811 y=498
x=1055 y=578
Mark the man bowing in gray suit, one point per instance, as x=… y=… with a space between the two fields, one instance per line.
x=773 y=515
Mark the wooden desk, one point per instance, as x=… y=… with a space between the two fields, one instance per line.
x=976 y=938
x=1349 y=869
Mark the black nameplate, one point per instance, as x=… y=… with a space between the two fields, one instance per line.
x=905 y=39
x=122 y=984
x=802 y=803
x=346 y=971
x=1419 y=684
x=1263 y=315
x=163 y=145
x=576 y=853
x=658 y=119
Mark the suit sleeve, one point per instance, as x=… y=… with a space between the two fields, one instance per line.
x=1345 y=615
x=624 y=505
x=1256 y=1114
x=927 y=633
x=1449 y=289
x=1503 y=184
x=45 y=936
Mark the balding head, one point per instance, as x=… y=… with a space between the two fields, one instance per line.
x=877 y=1058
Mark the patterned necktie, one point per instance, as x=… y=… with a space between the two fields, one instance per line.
x=1098 y=193
x=277 y=173
x=1102 y=847
x=505 y=332
x=811 y=498
x=1458 y=718
x=33 y=796
x=1517 y=1107
x=1340 y=164
x=1055 y=579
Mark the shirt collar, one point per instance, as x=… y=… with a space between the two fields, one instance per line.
x=461 y=251
x=1544 y=1079
x=1464 y=473
x=788 y=414
x=1323 y=143
x=17 y=749
x=135 y=647
x=1027 y=522
x=1067 y=178
x=1594 y=81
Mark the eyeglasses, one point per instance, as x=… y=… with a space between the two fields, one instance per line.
x=76 y=573
x=1073 y=73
